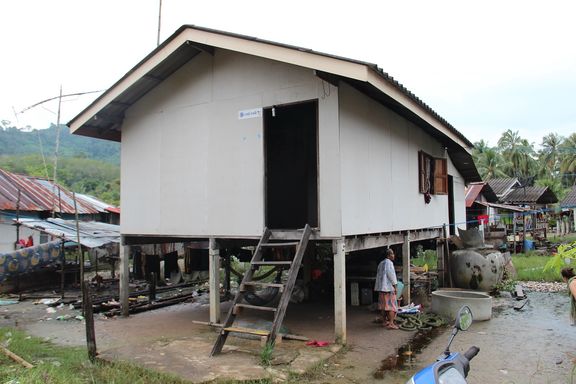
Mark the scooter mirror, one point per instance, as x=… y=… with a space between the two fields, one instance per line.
x=464 y=318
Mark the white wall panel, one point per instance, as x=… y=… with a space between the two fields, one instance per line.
x=191 y=167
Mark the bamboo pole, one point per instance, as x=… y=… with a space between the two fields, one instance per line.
x=81 y=254
x=15 y=357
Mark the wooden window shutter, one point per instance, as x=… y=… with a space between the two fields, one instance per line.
x=441 y=177
x=421 y=172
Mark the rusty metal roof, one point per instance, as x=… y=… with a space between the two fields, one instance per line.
x=531 y=195
x=474 y=189
x=38 y=195
x=570 y=199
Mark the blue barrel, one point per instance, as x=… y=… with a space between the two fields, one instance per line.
x=528 y=245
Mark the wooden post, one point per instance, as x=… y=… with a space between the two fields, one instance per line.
x=124 y=279
x=89 y=317
x=338 y=247
x=152 y=290
x=514 y=230
x=447 y=256
x=81 y=254
x=441 y=265
x=17 y=222
x=524 y=232
x=406 y=269
x=214 y=280
x=63 y=261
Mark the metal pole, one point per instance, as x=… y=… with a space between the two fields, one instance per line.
x=159 y=21
x=56 y=154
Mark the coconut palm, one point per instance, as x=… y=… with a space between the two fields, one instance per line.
x=518 y=154
x=490 y=164
x=568 y=158
x=549 y=156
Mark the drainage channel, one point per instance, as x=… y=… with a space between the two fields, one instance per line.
x=406 y=358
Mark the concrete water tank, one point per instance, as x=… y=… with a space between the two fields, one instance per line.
x=448 y=302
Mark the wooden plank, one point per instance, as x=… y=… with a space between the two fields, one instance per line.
x=89 y=320
x=272 y=245
x=15 y=357
x=284 y=262
x=257 y=307
x=286 y=336
x=258 y=284
x=250 y=331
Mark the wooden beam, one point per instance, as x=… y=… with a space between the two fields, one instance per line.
x=214 y=280
x=406 y=269
x=369 y=241
x=124 y=280
x=338 y=247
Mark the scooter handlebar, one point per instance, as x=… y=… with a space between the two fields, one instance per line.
x=471 y=353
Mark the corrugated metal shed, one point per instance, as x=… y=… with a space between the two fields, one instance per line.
x=502 y=186
x=38 y=195
x=570 y=199
x=93 y=234
x=531 y=195
x=474 y=189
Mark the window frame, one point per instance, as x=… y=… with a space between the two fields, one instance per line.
x=436 y=182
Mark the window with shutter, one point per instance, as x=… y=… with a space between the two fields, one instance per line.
x=432 y=174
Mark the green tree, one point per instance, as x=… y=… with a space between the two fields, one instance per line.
x=518 y=154
x=568 y=159
x=490 y=164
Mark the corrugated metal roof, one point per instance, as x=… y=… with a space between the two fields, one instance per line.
x=531 y=195
x=505 y=207
x=570 y=199
x=503 y=185
x=474 y=189
x=37 y=194
x=92 y=234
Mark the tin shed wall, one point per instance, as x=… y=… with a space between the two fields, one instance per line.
x=380 y=170
x=192 y=167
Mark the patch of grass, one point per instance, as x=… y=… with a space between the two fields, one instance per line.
x=426 y=257
x=55 y=364
x=266 y=354
x=530 y=267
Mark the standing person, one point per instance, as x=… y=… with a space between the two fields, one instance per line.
x=386 y=287
x=568 y=277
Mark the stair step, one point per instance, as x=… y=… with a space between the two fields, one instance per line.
x=250 y=331
x=261 y=285
x=258 y=307
x=264 y=262
x=278 y=245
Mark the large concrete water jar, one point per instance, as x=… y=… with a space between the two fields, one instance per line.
x=478 y=268
x=448 y=302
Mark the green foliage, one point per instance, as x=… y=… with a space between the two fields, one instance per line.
x=530 y=267
x=54 y=364
x=16 y=142
x=81 y=175
x=266 y=354
x=565 y=251
x=424 y=257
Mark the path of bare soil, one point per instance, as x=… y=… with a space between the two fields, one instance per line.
x=534 y=345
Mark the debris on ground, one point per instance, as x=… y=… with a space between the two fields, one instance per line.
x=543 y=286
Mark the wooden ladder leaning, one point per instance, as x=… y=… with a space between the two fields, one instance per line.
x=248 y=284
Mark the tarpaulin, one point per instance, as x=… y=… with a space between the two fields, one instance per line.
x=29 y=259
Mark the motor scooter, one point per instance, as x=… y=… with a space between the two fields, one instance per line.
x=450 y=367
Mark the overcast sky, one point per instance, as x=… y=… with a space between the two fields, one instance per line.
x=485 y=66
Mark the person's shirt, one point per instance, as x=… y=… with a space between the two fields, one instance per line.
x=385 y=276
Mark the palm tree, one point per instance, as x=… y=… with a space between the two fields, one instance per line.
x=490 y=164
x=518 y=153
x=549 y=156
x=567 y=152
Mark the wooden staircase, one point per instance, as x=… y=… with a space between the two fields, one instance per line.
x=297 y=249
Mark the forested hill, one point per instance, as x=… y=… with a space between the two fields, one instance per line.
x=17 y=142
x=85 y=165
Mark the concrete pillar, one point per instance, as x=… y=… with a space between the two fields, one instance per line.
x=124 y=279
x=406 y=268
x=214 y=280
x=338 y=247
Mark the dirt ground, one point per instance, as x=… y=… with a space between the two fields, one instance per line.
x=534 y=345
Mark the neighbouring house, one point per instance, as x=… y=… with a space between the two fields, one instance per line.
x=568 y=205
x=478 y=197
x=224 y=135
x=27 y=197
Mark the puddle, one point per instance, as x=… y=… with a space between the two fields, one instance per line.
x=406 y=357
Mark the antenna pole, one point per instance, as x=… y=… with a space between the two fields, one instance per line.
x=159 y=21
x=56 y=154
